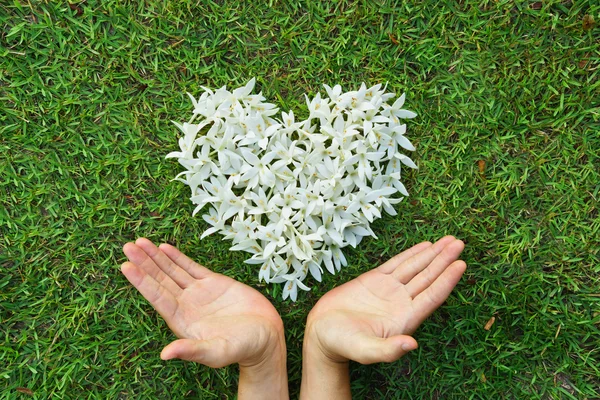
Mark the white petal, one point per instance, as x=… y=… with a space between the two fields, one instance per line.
x=315 y=270
x=400 y=102
x=404 y=142
x=209 y=231
x=400 y=186
x=302 y=286
x=407 y=161
x=269 y=249
x=405 y=114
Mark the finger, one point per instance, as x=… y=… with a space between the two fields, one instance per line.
x=162 y=300
x=390 y=265
x=214 y=353
x=193 y=268
x=174 y=271
x=415 y=264
x=436 y=294
x=138 y=256
x=372 y=349
x=439 y=264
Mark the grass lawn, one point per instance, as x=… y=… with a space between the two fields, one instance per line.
x=508 y=145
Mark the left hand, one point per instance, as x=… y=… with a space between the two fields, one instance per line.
x=219 y=320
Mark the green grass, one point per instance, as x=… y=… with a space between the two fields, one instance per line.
x=508 y=144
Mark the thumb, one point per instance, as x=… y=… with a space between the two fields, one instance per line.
x=214 y=353
x=372 y=349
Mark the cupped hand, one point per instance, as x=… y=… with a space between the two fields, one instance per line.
x=370 y=319
x=219 y=320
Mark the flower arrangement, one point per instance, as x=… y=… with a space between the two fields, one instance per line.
x=294 y=193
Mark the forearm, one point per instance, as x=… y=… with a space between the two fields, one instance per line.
x=322 y=378
x=268 y=379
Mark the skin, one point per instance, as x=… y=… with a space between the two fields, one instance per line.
x=370 y=319
x=219 y=320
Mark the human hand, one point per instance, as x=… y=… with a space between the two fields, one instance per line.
x=219 y=320
x=370 y=318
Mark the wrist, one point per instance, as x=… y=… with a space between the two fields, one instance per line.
x=324 y=375
x=317 y=344
x=266 y=377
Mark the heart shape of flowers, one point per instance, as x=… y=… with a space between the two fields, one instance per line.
x=294 y=193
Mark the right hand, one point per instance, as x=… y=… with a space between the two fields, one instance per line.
x=370 y=319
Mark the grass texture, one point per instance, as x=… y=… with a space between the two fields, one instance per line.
x=508 y=145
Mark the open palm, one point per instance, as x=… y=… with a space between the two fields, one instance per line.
x=370 y=318
x=219 y=320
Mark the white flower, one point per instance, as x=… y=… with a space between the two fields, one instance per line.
x=271 y=236
x=398 y=136
x=288 y=123
x=245 y=91
x=287 y=201
x=312 y=195
x=294 y=193
x=262 y=205
x=214 y=219
x=318 y=108
x=231 y=204
x=363 y=157
x=242 y=230
x=187 y=143
x=338 y=258
x=363 y=201
x=334 y=93
x=199 y=169
x=291 y=289
x=396 y=110
x=257 y=170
